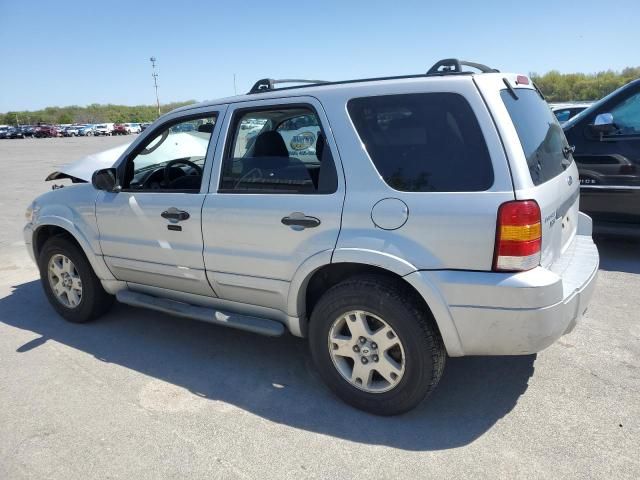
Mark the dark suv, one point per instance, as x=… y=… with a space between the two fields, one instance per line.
x=606 y=137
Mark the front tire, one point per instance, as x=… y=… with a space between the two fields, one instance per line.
x=71 y=286
x=375 y=345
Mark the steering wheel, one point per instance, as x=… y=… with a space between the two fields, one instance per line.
x=166 y=178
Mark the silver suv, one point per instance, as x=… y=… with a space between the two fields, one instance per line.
x=391 y=221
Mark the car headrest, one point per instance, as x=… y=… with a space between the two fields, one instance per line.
x=270 y=144
x=206 y=128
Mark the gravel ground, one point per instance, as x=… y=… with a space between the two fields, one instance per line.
x=142 y=395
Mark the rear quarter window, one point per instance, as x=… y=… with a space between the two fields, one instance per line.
x=540 y=135
x=424 y=142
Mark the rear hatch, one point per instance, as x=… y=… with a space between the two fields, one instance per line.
x=540 y=158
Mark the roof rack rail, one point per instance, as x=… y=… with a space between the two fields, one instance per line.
x=450 y=66
x=268 y=84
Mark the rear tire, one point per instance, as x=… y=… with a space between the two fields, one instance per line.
x=401 y=339
x=71 y=286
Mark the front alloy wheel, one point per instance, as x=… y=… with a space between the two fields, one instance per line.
x=71 y=285
x=65 y=281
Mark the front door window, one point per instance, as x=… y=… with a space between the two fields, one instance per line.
x=173 y=159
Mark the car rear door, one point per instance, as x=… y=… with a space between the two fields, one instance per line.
x=266 y=213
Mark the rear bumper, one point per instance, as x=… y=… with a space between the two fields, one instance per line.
x=516 y=314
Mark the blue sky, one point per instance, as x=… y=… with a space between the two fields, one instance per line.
x=67 y=52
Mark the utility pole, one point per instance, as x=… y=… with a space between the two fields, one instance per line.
x=235 y=92
x=155 y=81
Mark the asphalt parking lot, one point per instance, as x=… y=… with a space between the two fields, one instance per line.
x=142 y=395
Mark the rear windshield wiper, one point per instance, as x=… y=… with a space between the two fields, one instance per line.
x=539 y=91
x=510 y=88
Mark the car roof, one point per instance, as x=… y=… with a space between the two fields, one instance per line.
x=443 y=70
x=321 y=90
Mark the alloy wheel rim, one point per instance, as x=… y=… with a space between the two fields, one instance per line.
x=65 y=281
x=366 y=351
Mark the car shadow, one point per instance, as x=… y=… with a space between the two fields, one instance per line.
x=273 y=377
x=619 y=254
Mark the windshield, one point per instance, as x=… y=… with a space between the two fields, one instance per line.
x=540 y=134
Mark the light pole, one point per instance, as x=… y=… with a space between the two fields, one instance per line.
x=155 y=81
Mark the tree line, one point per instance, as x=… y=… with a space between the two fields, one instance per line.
x=566 y=87
x=556 y=86
x=94 y=113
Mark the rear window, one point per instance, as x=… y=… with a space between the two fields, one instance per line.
x=540 y=135
x=424 y=142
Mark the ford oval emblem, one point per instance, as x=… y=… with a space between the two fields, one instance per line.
x=570 y=180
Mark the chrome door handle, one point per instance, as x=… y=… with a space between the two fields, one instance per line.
x=175 y=215
x=297 y=219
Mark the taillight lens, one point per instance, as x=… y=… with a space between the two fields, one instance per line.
x=518 y=236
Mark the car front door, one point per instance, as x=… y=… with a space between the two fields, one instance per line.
x=277 y=196
x=150 y=230
x=609 y=159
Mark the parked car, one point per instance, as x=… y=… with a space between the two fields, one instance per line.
x=133 y=127
x=437 y=215
x=86 y=131
x=46 y=131
x=72 y=130
x=28 y=130
x=565 y=111
x=119 y=129
x=3 y=132
x=606 y=138
x=103 y=129
x=14 y=132
x=144 y=125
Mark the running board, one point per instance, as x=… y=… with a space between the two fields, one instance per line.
x=263 y=326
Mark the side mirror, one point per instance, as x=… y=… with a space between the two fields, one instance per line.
x=105 y=179
x=603 y=124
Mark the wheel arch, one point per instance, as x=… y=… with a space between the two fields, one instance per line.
x=307 y=290
x=57 y=226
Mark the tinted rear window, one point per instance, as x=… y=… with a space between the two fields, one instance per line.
x=540 y=134
x=424 y=142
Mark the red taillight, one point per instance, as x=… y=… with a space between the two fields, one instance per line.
x=522 y=80
x=518 y=236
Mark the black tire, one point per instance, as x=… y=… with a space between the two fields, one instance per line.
x=397 y=304
x=95 y=301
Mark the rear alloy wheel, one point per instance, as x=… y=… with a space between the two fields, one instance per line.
x=376 y=345
x=366 y=351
